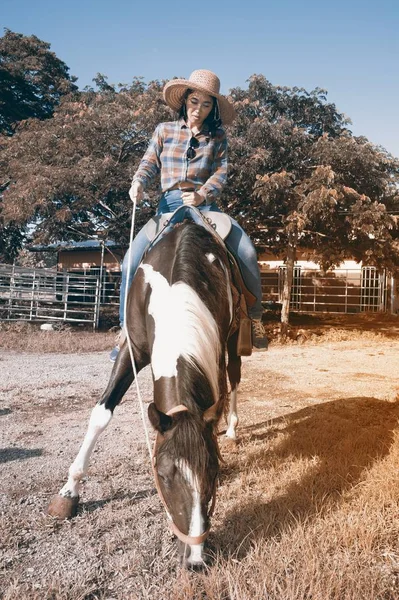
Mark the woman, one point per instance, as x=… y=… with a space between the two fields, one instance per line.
x=190 y=154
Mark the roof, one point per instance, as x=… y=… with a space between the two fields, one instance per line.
x=86 y=245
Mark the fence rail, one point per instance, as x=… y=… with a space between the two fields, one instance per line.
x=48 y=295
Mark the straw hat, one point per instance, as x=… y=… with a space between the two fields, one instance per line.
x=203 y=81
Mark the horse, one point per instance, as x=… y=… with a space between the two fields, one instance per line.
x=182 y=320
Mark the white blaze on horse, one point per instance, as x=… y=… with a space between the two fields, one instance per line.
x=182 y=318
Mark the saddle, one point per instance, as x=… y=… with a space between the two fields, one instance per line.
x=219 y=224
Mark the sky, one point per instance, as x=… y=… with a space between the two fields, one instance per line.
x=350 y=48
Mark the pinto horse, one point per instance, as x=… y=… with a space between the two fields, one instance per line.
x=181 y=313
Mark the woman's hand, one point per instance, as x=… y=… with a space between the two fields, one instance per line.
x=192 y=198
x=136 y=192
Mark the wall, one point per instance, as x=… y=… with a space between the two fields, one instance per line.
x=85 y=259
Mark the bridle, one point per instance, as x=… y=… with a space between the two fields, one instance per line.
x=186 y=539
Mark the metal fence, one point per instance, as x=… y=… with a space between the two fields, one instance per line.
x=48 y=295
x=341 y=291
x=110 y=284
x=76 y=296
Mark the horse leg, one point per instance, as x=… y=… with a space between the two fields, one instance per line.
x=65 y=504
x=234 y=374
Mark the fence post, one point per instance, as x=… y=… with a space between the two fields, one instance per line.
x=392 y=295
x=97 y=304
x=12 y=286
x=314 y=279
x=383 y=290
x=66 y=280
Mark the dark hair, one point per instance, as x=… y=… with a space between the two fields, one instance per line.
x=213 y=120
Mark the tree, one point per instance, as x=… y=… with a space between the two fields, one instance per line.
x=274 y=131
x=298 y=178
x=32 y=80
x=70 y=174
x=337 y=211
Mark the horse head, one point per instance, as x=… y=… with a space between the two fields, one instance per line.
x=186 y=465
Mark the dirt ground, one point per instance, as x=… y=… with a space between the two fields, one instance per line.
x=118 y=545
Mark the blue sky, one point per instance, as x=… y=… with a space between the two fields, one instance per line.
x=350 y=48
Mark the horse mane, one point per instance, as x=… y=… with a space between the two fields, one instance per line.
x=191 y=438
x=193 y=267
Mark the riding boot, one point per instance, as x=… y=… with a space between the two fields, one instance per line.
x=259 y=339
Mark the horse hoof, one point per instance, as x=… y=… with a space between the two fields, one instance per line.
x=63 y=508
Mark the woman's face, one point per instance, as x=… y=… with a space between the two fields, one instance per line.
x=198 y=106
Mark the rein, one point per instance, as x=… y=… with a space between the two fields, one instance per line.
x=186 y=539
x=141 y=403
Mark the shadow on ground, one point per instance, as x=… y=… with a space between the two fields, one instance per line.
x=338 y=441
x=9 y=454
x=134 y=497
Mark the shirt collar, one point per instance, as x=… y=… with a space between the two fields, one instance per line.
x=204 y=128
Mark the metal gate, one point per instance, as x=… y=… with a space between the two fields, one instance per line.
x=342 y=290
x=48 y=295
x=373 y=290
x=296 y=289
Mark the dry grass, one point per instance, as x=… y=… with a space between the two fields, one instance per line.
x=323 y=327
x=307 y=508
x=23 y=336
x=310 y=508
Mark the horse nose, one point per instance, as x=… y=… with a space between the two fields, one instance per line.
x=193 y=557
x=196 y=564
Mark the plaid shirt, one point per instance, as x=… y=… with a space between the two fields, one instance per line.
x=206 y=173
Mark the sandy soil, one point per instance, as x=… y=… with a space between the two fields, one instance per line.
x=119 y=540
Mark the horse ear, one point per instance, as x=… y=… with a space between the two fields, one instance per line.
x=158 y=419
x=211 y=414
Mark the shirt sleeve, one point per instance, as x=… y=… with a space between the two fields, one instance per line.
x=212 y=188
x=150 y=164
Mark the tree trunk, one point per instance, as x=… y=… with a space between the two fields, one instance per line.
x=289 y=276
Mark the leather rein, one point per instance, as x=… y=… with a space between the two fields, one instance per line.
x=186 y=539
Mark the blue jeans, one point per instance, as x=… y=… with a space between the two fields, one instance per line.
x=237 y=241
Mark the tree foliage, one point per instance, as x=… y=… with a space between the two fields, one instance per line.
x=71 y=173
x=32 y=80
x=341 y=208
x=274 y=130
x=335 y=208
